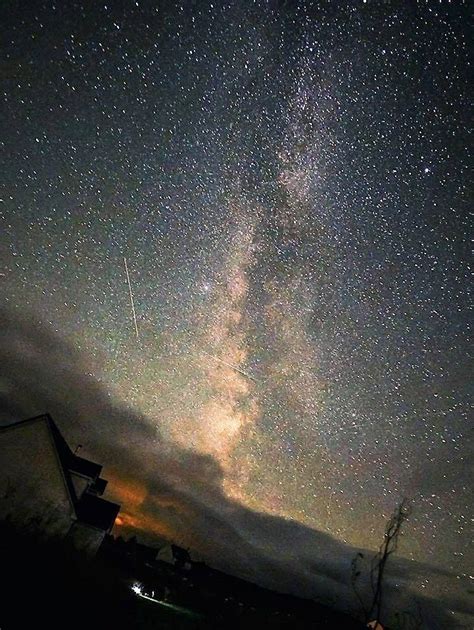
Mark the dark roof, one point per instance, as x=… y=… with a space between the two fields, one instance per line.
x=97 y=512
x=85 y=467
x=98 y=487
x=180 y=554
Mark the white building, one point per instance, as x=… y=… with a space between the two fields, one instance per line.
x=46 y=486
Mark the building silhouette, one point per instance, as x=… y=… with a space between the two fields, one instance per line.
x=47 y=487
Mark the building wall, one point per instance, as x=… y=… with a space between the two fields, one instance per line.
x=80 y=484
x=165 y=554
x=32 y=486
x=86 y=538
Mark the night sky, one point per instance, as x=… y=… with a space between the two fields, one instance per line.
x=288 y=183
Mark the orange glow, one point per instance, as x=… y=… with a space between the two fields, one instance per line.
x=145 y=523
x=127 y=491
x=131 y=495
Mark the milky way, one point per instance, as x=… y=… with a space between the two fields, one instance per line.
x=288 y=185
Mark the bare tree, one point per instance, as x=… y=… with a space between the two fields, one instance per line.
x=378 y=565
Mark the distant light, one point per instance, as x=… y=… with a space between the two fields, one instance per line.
x=137 y=588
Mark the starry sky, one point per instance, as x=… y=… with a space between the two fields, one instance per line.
x=287 y=182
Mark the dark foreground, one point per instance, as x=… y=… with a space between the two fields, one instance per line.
x=48 y=584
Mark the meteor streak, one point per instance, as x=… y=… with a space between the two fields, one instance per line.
x=233 y=367
x=131 y=297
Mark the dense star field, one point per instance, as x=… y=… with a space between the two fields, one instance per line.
x=288 y=185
